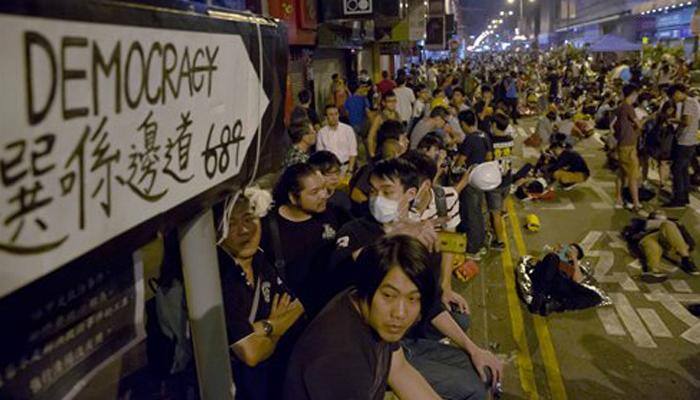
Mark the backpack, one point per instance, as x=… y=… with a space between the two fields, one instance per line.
x=169 y=340
x=440 y=201
x=666 y=139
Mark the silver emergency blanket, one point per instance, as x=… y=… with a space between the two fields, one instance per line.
x=523 y=276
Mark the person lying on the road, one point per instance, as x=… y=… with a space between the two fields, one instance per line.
x=532 y=189
x=657 y=237
x=558 y=283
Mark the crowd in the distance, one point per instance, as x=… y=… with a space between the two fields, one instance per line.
x=338 y=285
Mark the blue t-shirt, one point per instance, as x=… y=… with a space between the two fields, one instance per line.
x=356 y=106
x=512 y=89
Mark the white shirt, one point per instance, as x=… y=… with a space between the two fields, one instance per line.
x=689 y=136
x=419 y=109
x=405 y=99
x=340 y=141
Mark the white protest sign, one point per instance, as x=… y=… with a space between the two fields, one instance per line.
x=106 y=126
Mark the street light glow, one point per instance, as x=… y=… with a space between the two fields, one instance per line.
x=510 y=12
x=511 y=1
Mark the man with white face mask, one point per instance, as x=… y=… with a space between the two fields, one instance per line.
x=394 y=189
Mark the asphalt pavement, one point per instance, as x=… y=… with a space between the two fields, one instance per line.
x=644 y=346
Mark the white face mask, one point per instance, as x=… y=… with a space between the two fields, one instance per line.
x=383 y=210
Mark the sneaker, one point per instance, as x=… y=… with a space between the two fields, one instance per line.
x=489 y=238
x=474 y=256
x=569 y=186
x=689 y=267
x=498 y=245
x=653 y=277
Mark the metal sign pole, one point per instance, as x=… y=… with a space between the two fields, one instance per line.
x=205 y=307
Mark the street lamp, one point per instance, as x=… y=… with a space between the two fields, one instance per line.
x=521 y=21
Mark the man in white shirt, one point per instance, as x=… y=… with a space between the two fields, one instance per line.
x=339 y=139
x=405 y=98
x=687 y=140
x=420 y=106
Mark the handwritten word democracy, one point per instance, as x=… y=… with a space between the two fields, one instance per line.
x=156 y=73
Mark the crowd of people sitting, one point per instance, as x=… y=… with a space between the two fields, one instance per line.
x=338 y=284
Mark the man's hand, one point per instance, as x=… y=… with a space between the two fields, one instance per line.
x=424 y=231
x=483 y=359
x=284 y=313
x=280 y=304
x=450 y=297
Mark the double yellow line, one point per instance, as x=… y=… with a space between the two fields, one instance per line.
x=549 y=357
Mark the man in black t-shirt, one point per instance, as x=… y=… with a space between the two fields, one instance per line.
x=304 y=110
x=351 y=349
x=474 y=150
x=502 y=146
x=262 y=319
x=306 y=230
x=570 y=168
x=394 y=186
x=553 y=81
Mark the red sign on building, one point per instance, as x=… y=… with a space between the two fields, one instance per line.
x=301 y=17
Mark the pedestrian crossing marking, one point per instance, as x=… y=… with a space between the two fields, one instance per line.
x=632 y=322
x=611 y=323
x=693 y=334
x=654 y=323
x=680 y=286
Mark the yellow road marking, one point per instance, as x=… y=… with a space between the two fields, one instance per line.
x=525 y=369
x=549 y=355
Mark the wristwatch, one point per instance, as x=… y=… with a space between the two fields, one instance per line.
x=267 y=327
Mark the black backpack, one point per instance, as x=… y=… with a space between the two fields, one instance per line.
x=168 y=342
x=440 y=201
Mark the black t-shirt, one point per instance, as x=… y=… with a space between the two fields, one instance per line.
x=475 y=147
x=352 y=236
x=303 y=247
x=571 y=161
x=339 y=356
x=503 y=154
x=341 y=205
x=360 y=181
x=238 y=298
x=300 y=112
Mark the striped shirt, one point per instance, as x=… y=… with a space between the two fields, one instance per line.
x=430 y=213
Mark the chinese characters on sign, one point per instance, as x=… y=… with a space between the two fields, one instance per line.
x=86 y=313
x=108 y=127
